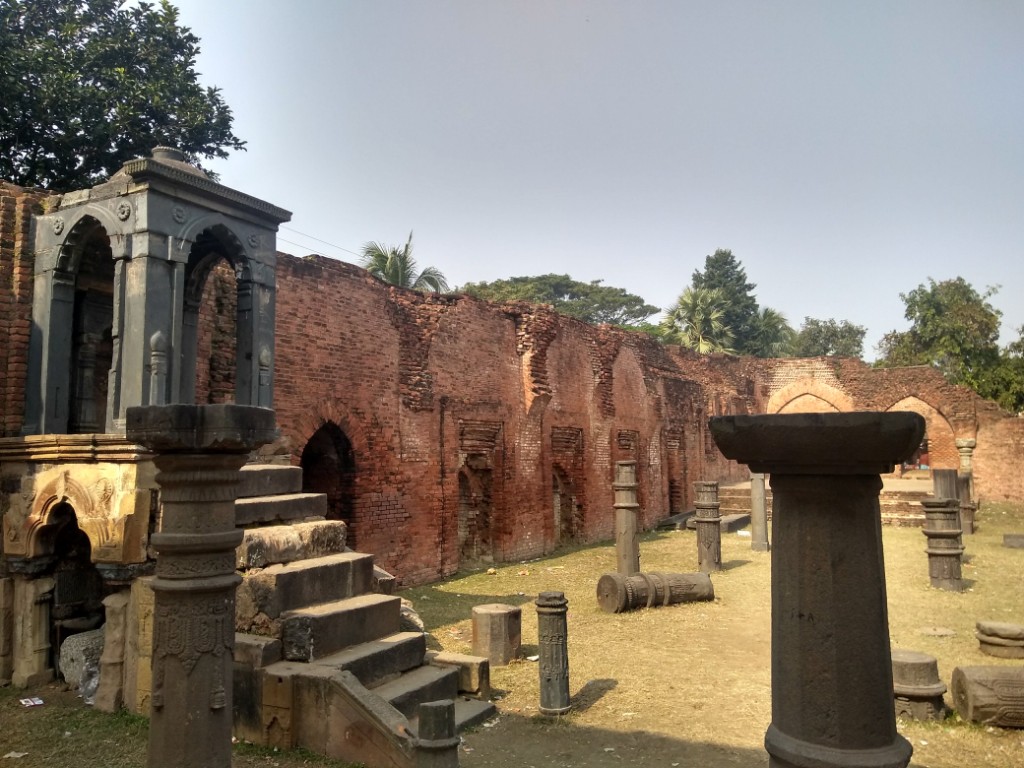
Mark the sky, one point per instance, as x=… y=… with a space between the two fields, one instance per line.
x=844 y=152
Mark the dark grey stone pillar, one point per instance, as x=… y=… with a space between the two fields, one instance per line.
x=199 y=450
x=627 y=543
x=436 y=740
x=832 y=684
x=552 y=641
x=942 y=527
x=709 y=527
x=758 y=513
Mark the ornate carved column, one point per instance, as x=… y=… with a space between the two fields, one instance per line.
x=553 y=648
x=199 y=450
x=832 y=684
x=709 y=527
x=627 y=545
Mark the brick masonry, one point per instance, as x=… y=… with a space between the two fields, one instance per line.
x=508 y=396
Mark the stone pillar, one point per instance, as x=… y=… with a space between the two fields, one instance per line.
x=31 y=637
x=832 y=684
x=552 y=641
x=758 y=513
x=497 y=632
x=965 y=447
x=110 y=693
x=437 y=743
x=709 y=527
x=6 y=630
x=942 y=527
x=627 y=545
x=967 y=506
x=199 y=450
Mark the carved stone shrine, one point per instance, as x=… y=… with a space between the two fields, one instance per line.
x=942 y=527
x=617 y=593
x=758 y=513
x=553 y=648
x=917 y=689
x=832 y=683
x=709 y=527
x=199 y=450
x=627 y=544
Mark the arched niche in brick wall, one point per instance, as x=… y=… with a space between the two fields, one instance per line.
x=939 y=436
x=809 y=396
x=566 y=510
x=329 y=466
x=474 y=515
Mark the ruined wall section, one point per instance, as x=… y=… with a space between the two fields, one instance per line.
x=17 y=206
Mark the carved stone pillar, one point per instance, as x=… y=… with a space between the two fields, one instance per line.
x=627 y=545
x=832 y=684
x=945 y=550
x=199 y=450
x=33 y=598
x=709 y=527
x=553 y=648
x=758 y=513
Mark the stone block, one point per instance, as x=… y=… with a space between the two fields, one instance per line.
x=138 y=660
x=497 y=632
x=280 y=509
x=379 y=660
x=1013 y=540
x=79 y=656
x=1001 y=639
x=474 y=671
x=916 y=686
x=110 y=694
x=989 y=695
x=273 y=544
x=6 y=630
x=31 y=635
x=320 y=630
x=268 y=480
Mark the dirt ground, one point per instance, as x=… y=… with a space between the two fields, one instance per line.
x=690 y=685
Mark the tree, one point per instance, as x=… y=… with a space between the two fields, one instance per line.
x=953 y=327
x=723 y=272
x=590 y=302
x=771 y=335
x=397 y=267
x=86 y=85
x=697 y=321
x=820 y=338
x=1004 y=382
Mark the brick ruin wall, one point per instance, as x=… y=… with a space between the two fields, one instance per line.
x=462 y=413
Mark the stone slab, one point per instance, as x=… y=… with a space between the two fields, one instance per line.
x=426 y=683
x=268 y=480
x=273 y=544
x=320 y=630
x=474 y=671
x=379 y=660
x=280 y=509
x=1013 y=540
x=1002 y=629
x=727 y=523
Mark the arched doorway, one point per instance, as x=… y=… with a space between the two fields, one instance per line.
x=329 y=467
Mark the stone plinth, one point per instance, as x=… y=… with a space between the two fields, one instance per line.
x=709 y=527
x=942 y=527
x=1001 y=639
x=497 y=632
x=553 y=649
x=199 y=450
x=832 y=684
x=758 y=513
x=917 y=689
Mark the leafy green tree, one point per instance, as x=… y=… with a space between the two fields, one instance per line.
x=697 y=321
x=820 y=338
x=771 y=335
x=86 y=85
x=953 y=327
x=1004 y=382
x=724 y=273
x=397 y=266
x=590 y=302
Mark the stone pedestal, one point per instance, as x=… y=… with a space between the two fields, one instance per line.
x=758 y=513
x=199 y=450
x=627 y=544
x=832 y=685
x=709 y=527
x=917 y=689
x=552 y=641
x=437 y=743
x=497 y=632
x=1001 y=639
x=942 y=527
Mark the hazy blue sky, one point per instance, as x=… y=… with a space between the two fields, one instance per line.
x=845 y=152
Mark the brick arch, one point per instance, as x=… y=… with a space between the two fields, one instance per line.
x=809 y=396
x=942 y=451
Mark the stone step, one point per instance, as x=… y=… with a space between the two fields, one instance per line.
x=380 y=660
x=468 y=712
x=279 y=509
x=300 y=584
x=268 y=480
x=423 y=684
x=320 y=630
x=272 y=544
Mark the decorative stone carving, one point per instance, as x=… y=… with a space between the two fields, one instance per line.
x=917 y=688
x=989 y=695
x=553 y=648
x=617 y=593
x=124 y=210
x=832 y=684
x=709 y=527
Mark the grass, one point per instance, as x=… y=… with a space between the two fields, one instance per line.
x=682 y=685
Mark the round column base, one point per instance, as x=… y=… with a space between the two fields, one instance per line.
x=788 y=752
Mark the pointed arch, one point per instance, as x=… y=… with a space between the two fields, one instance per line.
x=809 y=396
x=329 y=466
x=939 y=442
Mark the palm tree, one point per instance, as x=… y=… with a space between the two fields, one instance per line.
x=772 y=335
x=397 y=267
x=697 y=321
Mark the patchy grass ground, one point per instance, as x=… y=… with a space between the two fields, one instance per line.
x=685 y=685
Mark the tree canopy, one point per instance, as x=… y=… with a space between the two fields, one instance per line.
x=697 y=321
x=819 y=338
x=590 y=302
x=86 y=85
x=724 y=273
x=398 y=267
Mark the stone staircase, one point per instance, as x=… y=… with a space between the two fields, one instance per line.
x=321 y=659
